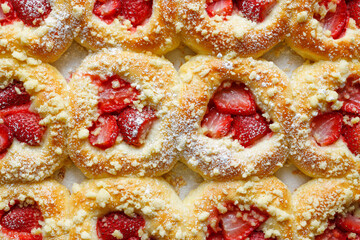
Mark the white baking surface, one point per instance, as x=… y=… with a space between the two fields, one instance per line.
x=281 y=55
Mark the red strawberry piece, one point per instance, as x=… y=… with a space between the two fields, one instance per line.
x=15 y=109
x=215 y=236
x=103 y=132
x=136 y=11
x=326 y=128
x=9 y=16
x=258 y=236
x=234 y=100
x=114 y=99
x=32 y=12
x=26 y=127
x=332 y=234
x=351 y=136
x=336 y=21
x=255 y=10
x=107 y=10
x=21 y=219
x=237 y=227
x=128 y=226
x=6 y=138
x=248 y=129
x=13 y=95
x=135 y=125
x=217 y=124
x=350 y=95
x=353 y=7
x=219 y=7
x=349 y=223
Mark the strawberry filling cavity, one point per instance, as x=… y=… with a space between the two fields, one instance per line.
x=233 y=112
x=341 y=228
x=117 y=225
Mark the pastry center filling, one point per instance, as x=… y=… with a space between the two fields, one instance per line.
x=17 y=119
x=22 y=222
x=254 y=10
x=334 y=15
x=117 y=225
x=135 y=11
x=328 y=127
x=232 y=112
x=119 y=118
x=31 y=12
x=236 y=224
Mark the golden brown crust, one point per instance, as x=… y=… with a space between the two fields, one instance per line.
x=308 y=38
x=318 y=201
x=46 y=42
x=158 y=35
x=314 y=89
x=214 y=35
x=52 y=199
x=224 y=158
x=44 y=83
x=152 y=198
x=156 y=80
x=268 y=194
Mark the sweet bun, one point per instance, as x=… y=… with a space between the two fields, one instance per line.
x=325 y=130
x=232 y=117
x=140 y=26
x=247 y=28
x=129 y=208
x=244 y=208
x=325 y=30
x=122 y=107
x=34 y=211
x=40 y=29
x=322 y=206
x=33 y=120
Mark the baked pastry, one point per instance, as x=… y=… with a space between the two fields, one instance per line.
x=325 y=29
x=253 y=209
x=327 y=209
x=34 y=211
x=245 y=27
x=325 y=131
x=33 y=119
x=126 y=208
x=231 y=117
x=122 y=107
x=41 y=29
x=140 y=25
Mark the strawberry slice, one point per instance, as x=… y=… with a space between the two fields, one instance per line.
x=234 y=100
x=115 y=94
x=237 y=227
x=26 y=127
x=128 y=226
x=9 y=16
x=255 y=10
x=107 y=10
x=13 y=95
x=136 y=11
x=336 y=21
x=135 y=125
x=248 y=129
x=332 y=234
x=351 y=136
x=15 y=109
x=326 y=128
x=32 y=12
x=353 y=7
x=219 y=7
x=258 y=236
x=350 y=95
x=349 y=223
x=103 y=132
x=19 y=222
x=217 y=124
x=6 y=138
x=215 y=236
